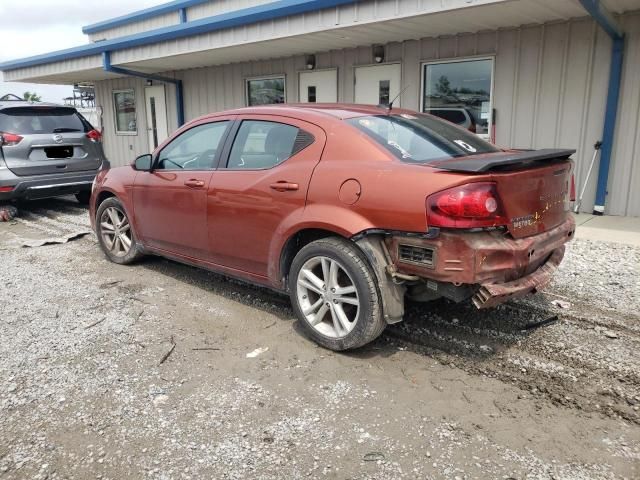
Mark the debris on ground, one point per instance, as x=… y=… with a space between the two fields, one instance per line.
x=610 y=334
x=8 y=213
x=561 y=304
x=55 y=241
x=257 y=351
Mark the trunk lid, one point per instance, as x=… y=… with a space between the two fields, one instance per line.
x=54 y=140
x=533 y=186
x=536 y=199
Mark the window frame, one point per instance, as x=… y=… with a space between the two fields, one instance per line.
x=247 y=80
x=233 y=134
x=115 y=111
x=219 y=151
x=471 y=58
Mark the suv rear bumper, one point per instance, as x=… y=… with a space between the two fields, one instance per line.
x=45 y=186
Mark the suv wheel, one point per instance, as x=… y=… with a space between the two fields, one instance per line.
x=115 y=234
x=334 y=294
x=83 y=197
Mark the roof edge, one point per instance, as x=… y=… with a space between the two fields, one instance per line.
x=246 y=16
x=138 y=15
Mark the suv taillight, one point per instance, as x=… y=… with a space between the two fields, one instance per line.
x=9 y=139
x=475 y=205
x=94 y=135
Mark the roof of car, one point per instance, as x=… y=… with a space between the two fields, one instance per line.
x=336 y=110
x=24 y=103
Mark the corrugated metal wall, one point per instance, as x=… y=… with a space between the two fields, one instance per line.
x=549 y=91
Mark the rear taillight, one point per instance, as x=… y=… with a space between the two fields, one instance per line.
x=475 y=205
x=9 y=139
x=94 y=135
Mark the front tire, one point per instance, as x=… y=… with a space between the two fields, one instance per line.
x=334 y=294
x=115 y=233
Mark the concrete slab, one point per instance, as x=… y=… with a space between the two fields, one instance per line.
x=608 y=228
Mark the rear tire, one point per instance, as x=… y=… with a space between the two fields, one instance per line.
x=84 y=197
x=115 y=233
x=335 y=295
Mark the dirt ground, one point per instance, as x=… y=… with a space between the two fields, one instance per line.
x=451 y=393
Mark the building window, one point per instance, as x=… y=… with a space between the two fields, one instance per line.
x=265 y=91
x=460 y=91
x=124 y=105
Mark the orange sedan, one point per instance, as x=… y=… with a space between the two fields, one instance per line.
x=347 y=208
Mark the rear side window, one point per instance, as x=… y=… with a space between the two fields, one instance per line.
x=36 y=120
x=421 y=138
x=260 y=144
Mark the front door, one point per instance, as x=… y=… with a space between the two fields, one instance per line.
x=262 y=185
x=319 y=86
x=378 y=84
x=156 y=107
x=170 y=202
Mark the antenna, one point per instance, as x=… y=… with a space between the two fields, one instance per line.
x=390 y=106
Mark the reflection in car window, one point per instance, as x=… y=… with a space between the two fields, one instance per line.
x=259 y=144
x=420 y=138
x=194 y=149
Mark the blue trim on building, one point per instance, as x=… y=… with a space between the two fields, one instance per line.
x=141 y=15
x=106 y=65
x=246 y=16
x=609 y=25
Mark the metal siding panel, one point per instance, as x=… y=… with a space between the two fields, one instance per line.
x=624 y=180
x=411 y=75
x=505 y=84
x=525 y=106
x=549 y=90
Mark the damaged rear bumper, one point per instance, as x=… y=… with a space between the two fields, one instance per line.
x=490 y=295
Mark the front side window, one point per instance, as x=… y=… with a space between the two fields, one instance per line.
x=265 y=91
x=194 y=149
x=460 y=91
x=420 y=138
x=124 y=105
x=259 y=144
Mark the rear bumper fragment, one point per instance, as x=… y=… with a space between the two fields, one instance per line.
x=44 y=186
x=490 y=295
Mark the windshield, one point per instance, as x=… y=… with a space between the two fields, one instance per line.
x=421 y=138
x=33 y=120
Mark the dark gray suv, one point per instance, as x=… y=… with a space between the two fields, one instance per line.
x=46 y=150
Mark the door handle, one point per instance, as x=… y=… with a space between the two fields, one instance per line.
x=284 y=186
x=194 y=183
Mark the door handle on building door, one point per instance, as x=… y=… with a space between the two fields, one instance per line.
x=284 y=186
x=194 y=183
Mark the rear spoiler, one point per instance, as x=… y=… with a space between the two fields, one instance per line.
x=496 y=161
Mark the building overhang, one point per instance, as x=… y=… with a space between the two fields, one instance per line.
x=286 y=28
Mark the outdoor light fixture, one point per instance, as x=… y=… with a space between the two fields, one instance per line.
x=149 y=82
x=311 y=62
x=378 y=53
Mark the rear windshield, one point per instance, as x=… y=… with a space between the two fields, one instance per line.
x=421 y=138
x=33 y=120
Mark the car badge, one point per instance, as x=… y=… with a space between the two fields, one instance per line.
x=57 y=138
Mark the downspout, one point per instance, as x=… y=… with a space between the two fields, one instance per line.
x=106 y=65
x=609 y=25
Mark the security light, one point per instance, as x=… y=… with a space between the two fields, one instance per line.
x=311 y=62
x=378 y=53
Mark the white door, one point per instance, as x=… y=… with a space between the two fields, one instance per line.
x=157 y=124
x=378 y=84
x=320 y=86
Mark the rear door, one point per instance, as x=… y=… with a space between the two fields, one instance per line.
x=262 y=182
x=50 y=139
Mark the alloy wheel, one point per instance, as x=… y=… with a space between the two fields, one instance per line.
x=116 y=231
x=328 y=297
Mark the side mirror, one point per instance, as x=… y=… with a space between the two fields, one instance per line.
x=143 y=163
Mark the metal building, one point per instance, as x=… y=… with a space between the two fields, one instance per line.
x=522 y=73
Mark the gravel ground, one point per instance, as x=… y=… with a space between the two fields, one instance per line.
x=451 y=393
